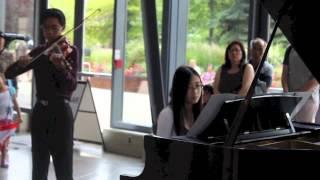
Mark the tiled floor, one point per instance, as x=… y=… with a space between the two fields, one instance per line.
x=90 y=162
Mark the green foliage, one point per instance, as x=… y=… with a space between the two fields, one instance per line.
x=135 y=46
x=205 y=54
x=276 y=56
x=218 y=21
x=135 y=53
x=99 y=28
x=276 y=81
x=159 y=9
x=276 y=53
x=198 y=20
x=134 y=24
x=100 y=57
x=211 y=25
x=234 y=22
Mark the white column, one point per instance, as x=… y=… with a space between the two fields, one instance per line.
x=2 y=15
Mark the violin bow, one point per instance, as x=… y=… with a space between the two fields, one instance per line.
x=56 y=42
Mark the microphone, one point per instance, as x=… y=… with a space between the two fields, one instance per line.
x=13 y=36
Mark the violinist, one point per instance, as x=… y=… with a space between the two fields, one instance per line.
x=55 y=73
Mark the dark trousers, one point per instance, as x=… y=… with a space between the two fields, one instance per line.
x=52 y=134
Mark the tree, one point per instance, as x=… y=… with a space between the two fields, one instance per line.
x=99 y=28
x=134 y=20
x=204 y=19
x=198 y=20
x=234 y=22
x=215 y=8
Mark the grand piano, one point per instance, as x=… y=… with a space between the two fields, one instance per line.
x=252 y=137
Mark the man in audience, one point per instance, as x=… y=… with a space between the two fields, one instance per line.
x=257 y=47
x=297 y=77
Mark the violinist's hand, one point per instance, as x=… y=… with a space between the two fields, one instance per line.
x=23 y=61
x=58 y=60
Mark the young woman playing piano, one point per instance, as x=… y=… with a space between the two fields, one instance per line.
x=185 y=104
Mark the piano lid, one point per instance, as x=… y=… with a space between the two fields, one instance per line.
x=299 y=26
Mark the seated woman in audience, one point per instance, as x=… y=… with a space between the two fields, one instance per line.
x=185 y=105
x=235 y=75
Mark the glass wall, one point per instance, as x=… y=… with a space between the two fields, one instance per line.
x=136 y=103
x=97 y=55
x=97 y=50
x=97 y=60
x=276 y=55
x=18 y=18
x=212 y=25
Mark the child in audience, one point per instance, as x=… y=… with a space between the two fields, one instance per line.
x=8 y=125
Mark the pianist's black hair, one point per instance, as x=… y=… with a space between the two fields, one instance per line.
x=180 y=84
x=55 y=13
x=208 y=88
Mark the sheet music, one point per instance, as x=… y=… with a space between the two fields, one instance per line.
x=209 y=112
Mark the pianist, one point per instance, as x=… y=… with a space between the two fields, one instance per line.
x=185 y=104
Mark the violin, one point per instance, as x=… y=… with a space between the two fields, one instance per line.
x=61 y=45
x=64 y=48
